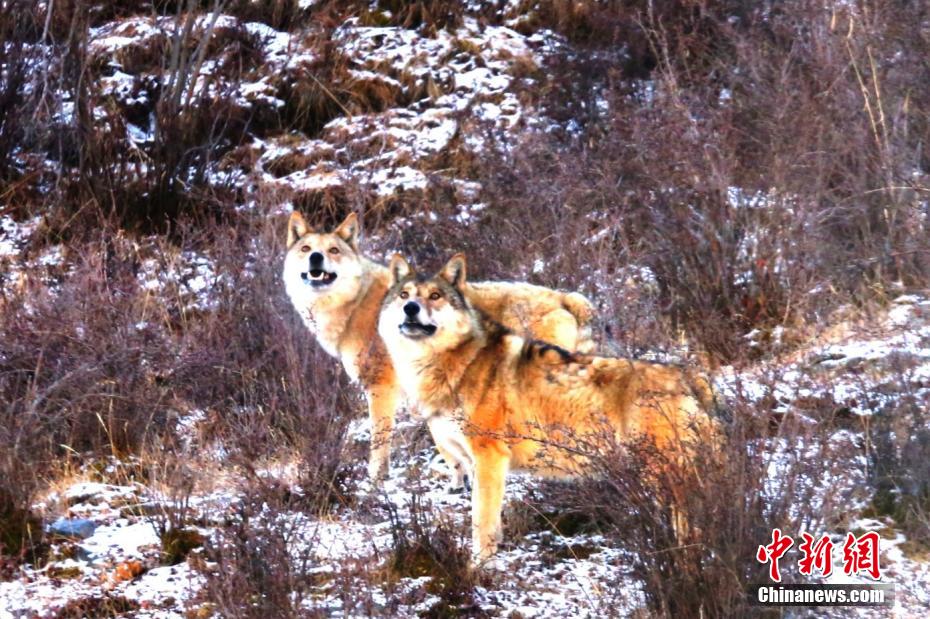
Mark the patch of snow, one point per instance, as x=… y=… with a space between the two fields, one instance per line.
x=120 y=540
x=159 y=585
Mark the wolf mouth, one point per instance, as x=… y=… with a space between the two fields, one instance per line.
x=318 y=278
x=413 y=329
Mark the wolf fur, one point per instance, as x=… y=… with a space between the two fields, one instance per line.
x=340 y=298
x=498 y=402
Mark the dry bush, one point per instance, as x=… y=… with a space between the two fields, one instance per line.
x=771 y=175
x=97 y=364
x=626 y=31
x=279 y=14
x=12 y=91
x=258 y=570
x=429 y=15
x=900 y=444
x=732 y=504
x=105 y=604
x=24 y=122
x=62 y=117
x=253 y=361
x=425 y=545
x=320 y=91
x=79 y=372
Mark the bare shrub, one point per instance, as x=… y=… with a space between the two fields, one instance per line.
x=430 y=15
x=900 y=444
x=250 y=358
x=424 y=545
x=733 y=501
x=279 y=14
x=105 y=604
x=258 y=571
x=92 y=364
x=764 y=178
x=79 y=370
x=61 y=118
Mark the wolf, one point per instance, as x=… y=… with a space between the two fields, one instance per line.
x=338 y=293
x=498 y=402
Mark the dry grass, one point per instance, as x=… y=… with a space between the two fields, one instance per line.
x=817 y=114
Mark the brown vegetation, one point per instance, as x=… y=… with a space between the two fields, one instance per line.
x=729 y=167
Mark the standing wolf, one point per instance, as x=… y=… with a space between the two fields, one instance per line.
x=338 y=293
x=497 y=401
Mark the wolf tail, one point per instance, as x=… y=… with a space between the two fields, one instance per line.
x=582 y=309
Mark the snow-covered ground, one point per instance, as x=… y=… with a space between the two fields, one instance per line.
x=447 y=84
x=114 y=555
x=450 y=91
x=540 y=574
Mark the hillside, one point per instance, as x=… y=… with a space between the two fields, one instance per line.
x=740 y=188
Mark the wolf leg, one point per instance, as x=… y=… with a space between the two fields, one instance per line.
x=487 y=497
x=382 y=407
x=457 y=473
x=448 y=439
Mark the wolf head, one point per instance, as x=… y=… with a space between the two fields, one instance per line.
x=322 y=266
x=422 y=314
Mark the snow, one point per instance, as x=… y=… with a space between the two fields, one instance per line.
x=98 y=492
x=389 y=182
x=525 y=577
x=189 y=275
x=161 y=584
x=120 y=540
x=901 y=351
x=12 y=236
x=450 y=82
x=115 y=36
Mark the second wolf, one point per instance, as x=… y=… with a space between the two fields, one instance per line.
x=498 y=402
x=338 y=293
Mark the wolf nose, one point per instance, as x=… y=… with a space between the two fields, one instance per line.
x=412 y=309
x=316 y=260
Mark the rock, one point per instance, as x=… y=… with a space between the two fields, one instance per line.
x=93 y=493
x=141 y=509
x=79 y=528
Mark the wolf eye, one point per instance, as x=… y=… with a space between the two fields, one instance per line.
x=305 y=248
x=403 y=294
x=334 y=250
x=435 y=296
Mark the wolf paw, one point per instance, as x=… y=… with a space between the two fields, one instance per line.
x=491 y=564
x=377 y=471
x=458 y=484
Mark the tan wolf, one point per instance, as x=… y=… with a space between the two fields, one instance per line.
x=499 y=402
x=338 y=293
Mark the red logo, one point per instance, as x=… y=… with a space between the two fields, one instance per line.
x=860 y=555
x=817 y=556
x=773 y=552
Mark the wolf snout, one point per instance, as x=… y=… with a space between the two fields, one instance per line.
x=412 y=309
x=316 y=261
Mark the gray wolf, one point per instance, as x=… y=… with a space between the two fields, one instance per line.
x=497 y=401
x=338 y=293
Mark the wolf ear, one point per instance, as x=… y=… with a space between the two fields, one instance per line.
x=454 y=271
x=399 y=268
x=296 y=228
x=348 y=230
